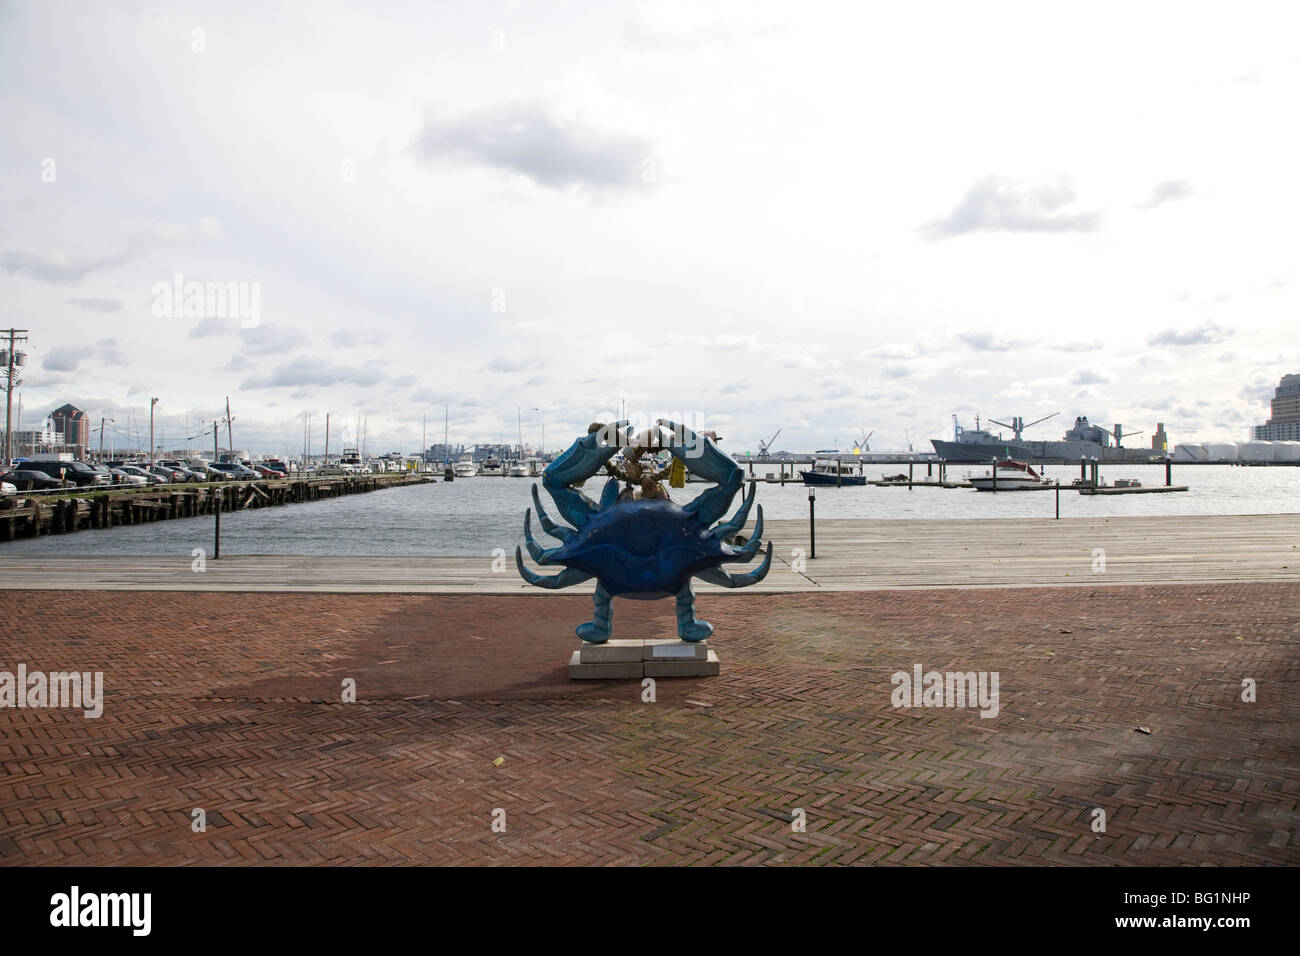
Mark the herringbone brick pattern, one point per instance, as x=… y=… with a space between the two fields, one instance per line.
x=231 y=703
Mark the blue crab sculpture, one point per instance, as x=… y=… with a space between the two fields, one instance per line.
x=646 y=548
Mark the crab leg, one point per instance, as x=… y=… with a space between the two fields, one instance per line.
x=549 y=526
x=600 y=627
x=540 y=555
x=703 y=458
x=688 y=627
x=726 y=580
x=747 y=550
x=566 y=578
x=728 y=528
x=583 y=459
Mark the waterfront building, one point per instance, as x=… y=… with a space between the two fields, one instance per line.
x=1160 y=441
x=74 y=425
x=1284 y=422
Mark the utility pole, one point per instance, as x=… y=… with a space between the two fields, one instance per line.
x=11 y=358
x=229 y=438
x=424 y=430
x=152 y=403
x=217 y=497
x=101 y=438
x=445 y=415
x=327 y=439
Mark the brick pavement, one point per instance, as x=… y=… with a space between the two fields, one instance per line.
x=230 y=702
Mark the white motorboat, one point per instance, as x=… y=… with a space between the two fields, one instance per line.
x=1009 y=475
x=517 y=469
x=491 y=467
x=465 y=468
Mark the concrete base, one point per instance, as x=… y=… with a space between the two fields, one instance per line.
x=653 y=657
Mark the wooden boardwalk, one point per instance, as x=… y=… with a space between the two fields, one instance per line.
x=852 y=555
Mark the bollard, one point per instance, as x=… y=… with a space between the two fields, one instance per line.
x=1169 y=471
x=216 y=546
x=812 y=522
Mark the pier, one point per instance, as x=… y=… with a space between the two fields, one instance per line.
x=852 y=555
x=28 y=514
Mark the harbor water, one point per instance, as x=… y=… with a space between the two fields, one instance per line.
x=473 y=516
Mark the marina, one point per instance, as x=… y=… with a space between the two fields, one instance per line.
x=473 y=517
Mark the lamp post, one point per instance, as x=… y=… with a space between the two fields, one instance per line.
x=152 y=403
x=812 y=522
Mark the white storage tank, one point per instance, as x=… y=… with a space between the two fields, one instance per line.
x=1192 y=452
x=1221 y=450
x=1255 y=451
x=1286 y=451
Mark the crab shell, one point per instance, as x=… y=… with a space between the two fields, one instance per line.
x=643 y=549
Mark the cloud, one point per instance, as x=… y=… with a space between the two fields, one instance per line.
x=988 y=342
x=682 y=28
x=1091 y=346
x=213 y=325
x=1204 y=334
x=1087 y=376
x=66 y=358
x=561 y=145
x=895 y=371
x=501 y=364
x=56 y=267
x=269 y=338
x=349 y=338
x=1170 y=190
x=305 y=371
x=97 y=305
x=999 y=204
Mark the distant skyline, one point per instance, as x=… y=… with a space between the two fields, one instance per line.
x=825 y=218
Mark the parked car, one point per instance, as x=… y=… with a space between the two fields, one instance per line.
x=278 y=465
x=229 y=471
x=123 y=477
x=6 y=488
x=266 y=471
x=149 y=478
x=26 y=479
x=76 y=473
x=169 y=475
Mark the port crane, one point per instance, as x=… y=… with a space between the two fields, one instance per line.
x=765 y=447
x=861 y=445
x=1017 y=423
x=1118 y=434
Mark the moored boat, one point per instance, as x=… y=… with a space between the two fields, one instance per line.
x=1009 y=475
x=831 y=471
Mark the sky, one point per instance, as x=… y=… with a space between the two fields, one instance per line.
x=828 y=219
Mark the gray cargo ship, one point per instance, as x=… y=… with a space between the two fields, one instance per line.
x=1084 y=440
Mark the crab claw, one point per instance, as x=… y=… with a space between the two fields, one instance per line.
x=702 y=457
x=726 y=580
x=750 y=547
x=549 y=526
x=587 y=455
x=737 y=522
x=540 y=555
x=566 y=578
x=584 y=458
